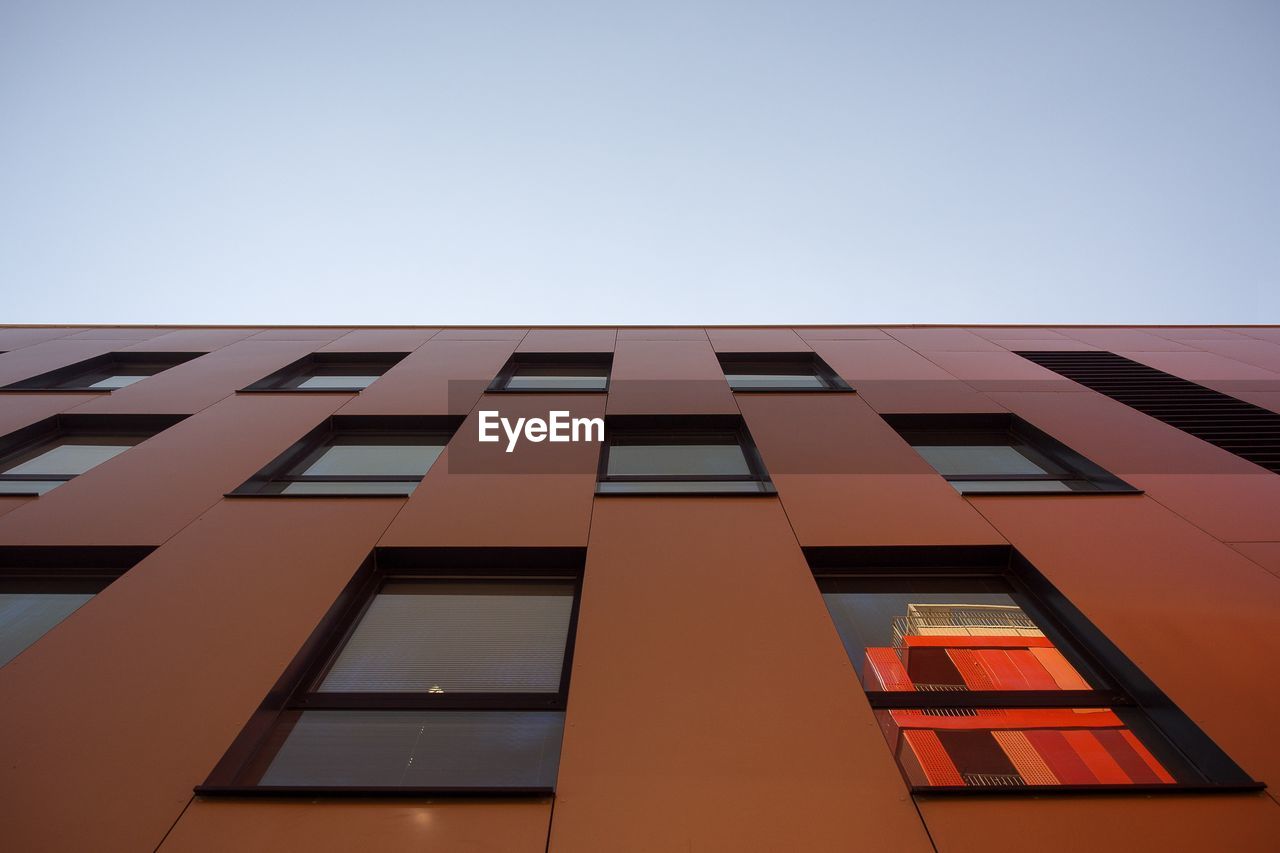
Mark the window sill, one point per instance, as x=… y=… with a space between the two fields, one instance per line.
x=1067 y=494
x=792 y=390
x=57 y=390
x=299 y=390
x=1076 y=790
x=766 y=490
x=311 y=497
x=585 y=391
x=259 y=791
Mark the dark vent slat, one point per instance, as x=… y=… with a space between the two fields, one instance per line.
x=1250 y=432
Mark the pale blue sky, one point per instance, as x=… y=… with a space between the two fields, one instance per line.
x=655 y=162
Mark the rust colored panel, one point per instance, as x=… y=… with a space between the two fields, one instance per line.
x=568 y=340
x=11 y=339
x=888 y=360
x=119 y=334
x=1231 y=507
x=380 y=340
x=1009 y=336
x=1128 y=340
x=8 y=503
x=443 y=376
x=191 y=340
x=662 y=333
x=1181 y=605
x=41 y=358
x=941 y=340
x=481 y=334
x=841 y=333
x=1258 y=353
x=298 y=334
x=144 y=495
x=1029 y=764
x=668 y=378
x=1247 y=823
x=1202 y=366
x=711 y=713
x=1265 y=554
x=756 y=340
x=18 y=410
x=479 y=495
x=203 y=381
x=496 y=826
x=156 y=675
x=995 y=368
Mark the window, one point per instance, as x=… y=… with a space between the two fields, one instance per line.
x=39 y=587
x=439 y=670
x=680 y=455
x=1001 y=453
x=784 y=371
x=978 y=684
x=555 y=372
x=354 y=455
x=43 y=456
x=105 y=372
x=336 y=372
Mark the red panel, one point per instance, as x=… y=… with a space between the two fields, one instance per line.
x=939 y=340
x=1061 y=757
x=756 y=340
x=380 y=340
x=1096 y=758
x=938 y=767
x=41 y=358
x=568 y=340
x=883 y=670
x=668 y=377
x=443 y=376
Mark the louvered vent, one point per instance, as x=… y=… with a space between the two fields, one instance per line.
x=1244 y=429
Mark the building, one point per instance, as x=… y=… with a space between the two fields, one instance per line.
x=818 y=589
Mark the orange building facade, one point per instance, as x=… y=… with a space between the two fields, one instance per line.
x=818 y=589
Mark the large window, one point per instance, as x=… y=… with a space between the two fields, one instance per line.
x=45 y=455
x=977 y=684
x=680 y=455
x=39 y=587
x=787 y=371
x=555 y=372
x=1001 y=453
x=105 y=372
x=354 y=455
x=333 y=372
x=443 y=671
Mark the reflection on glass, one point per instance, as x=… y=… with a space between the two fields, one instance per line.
x=964 y=486
x=978 y=460
x=338 y=381
x=671 y=486
x=68 y=457
x=580 y=377
x=764 y=381
x=28 y=487
x=374 y=460
x=26 y=616
x=119 y=380
x=1016 y=747
x=627 y=460
x=330 y=487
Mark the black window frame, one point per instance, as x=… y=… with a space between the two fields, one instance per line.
x=1061 y=462
x=805 y=362
x=1123 y=686
x=602 y=360
x=304 y=368
x=682 y=429
x=250 y=753
x=67 y=425
x=319 y=439
x=64 y=569
x=97 y=368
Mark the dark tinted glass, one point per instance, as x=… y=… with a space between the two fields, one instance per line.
x=579 y=377
x=418 y=749
x=25 y=616
x=657 y=459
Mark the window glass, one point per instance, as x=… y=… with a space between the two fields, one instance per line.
x=1011 y=486
x=457 y=638
x=26 y=616
x=677 y=460
x=337 y=380
x=418 y=749
x=351 y=458
x=28 y=487
x=787 y=378
x=70 y=456
x=332 y=487
x=692 y=486
x=578 y=377
x=944 y=635
x=1016 y=747
x=978 y=459
x=119 y=380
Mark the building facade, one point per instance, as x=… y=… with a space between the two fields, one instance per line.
x=570 y=590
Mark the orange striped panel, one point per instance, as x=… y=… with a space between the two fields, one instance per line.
x=888 y=670
x=938 y=767
x=1097 y=758
x=1030 y=765
x=1038 y=678
x=966 y=661
x=1064 y=674
x=1146 y=755
x=1004 y=675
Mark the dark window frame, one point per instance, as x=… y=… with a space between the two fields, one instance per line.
x=65 y=425
x=304 y=368
x=97 y=368
x=807 y=362
x=250 y=753
x=682 y=429
x=1124 y=685
x=319 y=439
x=1060 y=461
x=552 y=359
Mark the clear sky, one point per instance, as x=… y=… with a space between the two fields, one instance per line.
x=648 y=162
